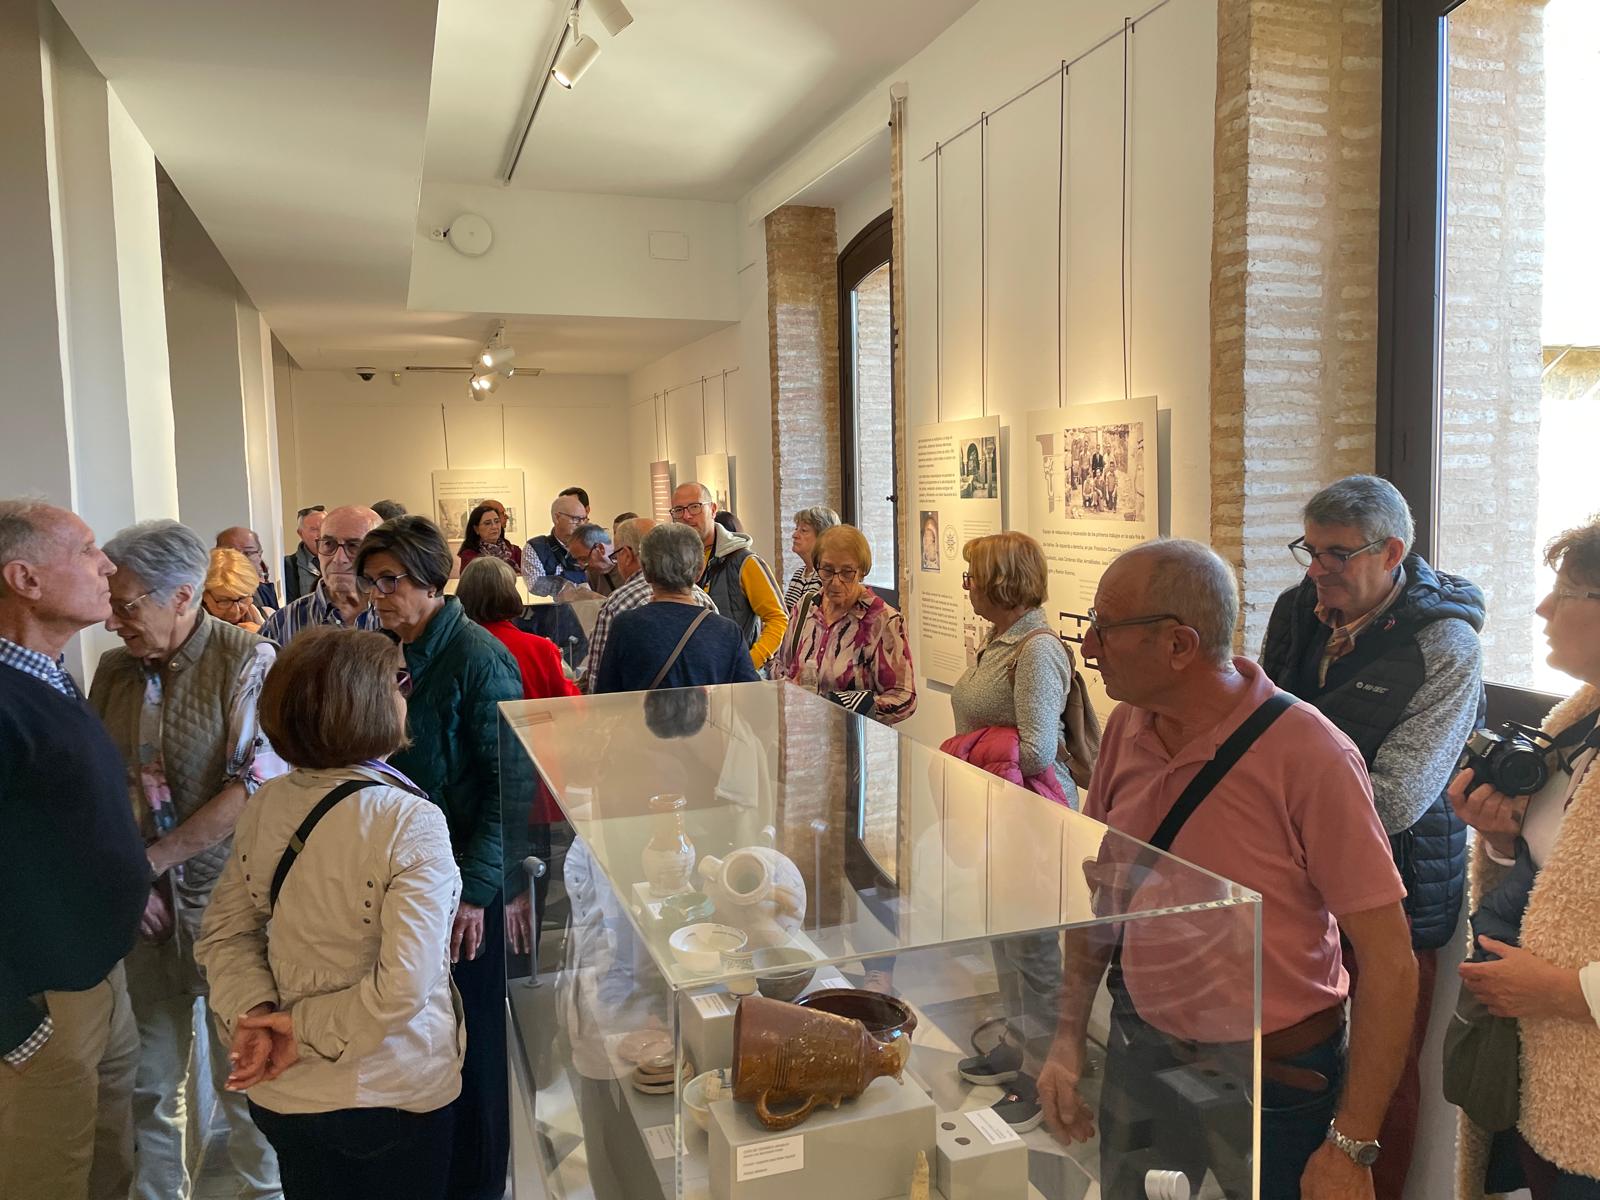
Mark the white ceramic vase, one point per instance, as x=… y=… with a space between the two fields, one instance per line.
x=758 y=890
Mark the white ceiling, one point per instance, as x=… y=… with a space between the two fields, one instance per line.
x=697 y=99
x=298 y=132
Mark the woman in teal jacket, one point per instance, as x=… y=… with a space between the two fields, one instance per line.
x=459 y=675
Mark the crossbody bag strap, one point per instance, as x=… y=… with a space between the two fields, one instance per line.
x=678 y=649
x=1011 y=671
x=1229 y=753
x=297 y=842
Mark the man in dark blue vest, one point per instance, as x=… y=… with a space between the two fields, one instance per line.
x=1387 y=648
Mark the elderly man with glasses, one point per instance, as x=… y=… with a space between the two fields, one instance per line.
x=1205 y=757
x=179 y=699
x=1387 y=649
x=735 y=576
x=336 y=600
x=547 y=556
x=248 y=543
x=300 y=569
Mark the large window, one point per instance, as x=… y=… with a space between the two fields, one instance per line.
x=866 y=358
x=1489 y=393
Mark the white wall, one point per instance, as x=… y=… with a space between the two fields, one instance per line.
x=855 y=212
x=356 y=442
x=593 y=255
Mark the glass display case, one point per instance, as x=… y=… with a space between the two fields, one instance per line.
x=785 y=951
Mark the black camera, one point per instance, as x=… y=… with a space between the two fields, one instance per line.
x=1513 y=759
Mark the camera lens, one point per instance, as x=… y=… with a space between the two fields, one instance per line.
x=1520 y=771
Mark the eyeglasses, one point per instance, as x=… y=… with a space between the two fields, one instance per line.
x=1329 y=560
x=229 y=601
x=848 y=574
x=402 y=682
x=306 y=512
x=685 y=510
x=1100 y=627
x=384 y=585
x=561 y=516
x=127 y=607
x=331 y=546
x=1562 y=592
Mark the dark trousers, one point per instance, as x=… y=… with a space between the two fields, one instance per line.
x=1398 y=1134
x=1546 y=1181
x=483 y=1110
x=1168 y=1105
x=360 y=1153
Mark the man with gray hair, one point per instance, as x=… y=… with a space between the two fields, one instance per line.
x=735 y=575
x=300 y=568
x=179 y=700
x=75 y=881
x=1205 y=757
x=547 y=555
x=1387 y=649
x=633 y=593
x=591 y=547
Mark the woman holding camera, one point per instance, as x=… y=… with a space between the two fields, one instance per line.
x=1551 y=982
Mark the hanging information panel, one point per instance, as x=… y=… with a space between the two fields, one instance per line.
x=956 y=468
x=457 y=492
x=1091 y=495
x=661 y=490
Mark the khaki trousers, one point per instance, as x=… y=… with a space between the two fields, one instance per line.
x=66 y=1124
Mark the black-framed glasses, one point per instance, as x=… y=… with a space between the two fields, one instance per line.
x=384 y=585
x=561 y=516
x=1100 y=627
x=228 y=601
x=1562 y=592
x=686 y=510
x=402 y=682
x=331 y=546
x=128 y=607
x=1333 y=560
x=829 y=574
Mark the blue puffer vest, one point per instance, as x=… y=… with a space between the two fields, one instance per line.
x=1365 y=695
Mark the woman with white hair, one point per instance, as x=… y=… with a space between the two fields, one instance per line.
x=231 y=583
x=672 y=641
x=179 y=700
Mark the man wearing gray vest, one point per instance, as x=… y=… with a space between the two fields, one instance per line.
x=179 y=700
x=735 y=577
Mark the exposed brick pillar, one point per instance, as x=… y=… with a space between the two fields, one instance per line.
x=803 y=339
x=1294 y=274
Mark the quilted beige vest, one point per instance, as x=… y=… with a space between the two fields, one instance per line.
x=198 y=688
x=1561 y=1057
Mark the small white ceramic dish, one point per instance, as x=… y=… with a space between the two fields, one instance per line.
x=700 y=947
x=695 y=1098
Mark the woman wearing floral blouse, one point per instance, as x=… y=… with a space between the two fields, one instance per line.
x=851 y=646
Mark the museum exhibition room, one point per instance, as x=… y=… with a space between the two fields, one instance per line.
x=877 y=600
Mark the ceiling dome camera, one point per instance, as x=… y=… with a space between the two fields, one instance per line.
x=366 y=374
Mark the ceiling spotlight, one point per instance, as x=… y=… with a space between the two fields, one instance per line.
x=485 y=384
x=494 y=358
x=612 y=14
x=578 y=56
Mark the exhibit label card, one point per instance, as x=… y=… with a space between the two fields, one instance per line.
x=957 y=481
x=760 y=1159
x=992 y=1126
x=659 y=1140
x=1092 y=493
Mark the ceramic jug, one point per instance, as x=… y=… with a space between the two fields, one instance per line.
x=668 y=859
x=758 y=890
x=782 y=1052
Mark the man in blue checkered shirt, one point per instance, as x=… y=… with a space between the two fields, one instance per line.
x=75 y=882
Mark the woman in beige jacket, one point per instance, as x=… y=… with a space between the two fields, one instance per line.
x=345 y=1030
x=1551 y=982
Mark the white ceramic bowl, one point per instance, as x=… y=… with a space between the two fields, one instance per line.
x=700 y=947
x=694 y=1096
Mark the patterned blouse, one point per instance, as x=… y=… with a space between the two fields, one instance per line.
x=503 y=550
x=862 y=656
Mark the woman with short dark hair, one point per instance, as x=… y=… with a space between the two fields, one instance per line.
x=459 y=676
x=486 y=536
x=327 y=962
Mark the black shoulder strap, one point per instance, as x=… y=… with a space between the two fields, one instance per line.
x=1229 y=753
x=297 y=842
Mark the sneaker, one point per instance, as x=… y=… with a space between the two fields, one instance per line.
x=881 y=982
x=1000 y=1065
x=1019 y=1107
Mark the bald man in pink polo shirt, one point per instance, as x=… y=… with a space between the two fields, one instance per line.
x=1293 y=820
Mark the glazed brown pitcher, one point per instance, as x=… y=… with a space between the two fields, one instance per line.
x=785 y=1052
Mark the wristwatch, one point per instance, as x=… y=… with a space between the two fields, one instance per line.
x=1363 y=1154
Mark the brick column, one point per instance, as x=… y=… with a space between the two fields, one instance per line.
x=1294 y=274
x=803 y=339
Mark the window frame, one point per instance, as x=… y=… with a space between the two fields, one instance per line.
x=865 y=253
x=1411 y=262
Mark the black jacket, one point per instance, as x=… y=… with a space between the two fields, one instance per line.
x=1365 y=695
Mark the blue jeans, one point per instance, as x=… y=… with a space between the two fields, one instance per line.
x=1178 y=1106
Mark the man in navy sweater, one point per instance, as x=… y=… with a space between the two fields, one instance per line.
x=75 y=882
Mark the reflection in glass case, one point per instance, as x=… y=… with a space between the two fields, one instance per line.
x=785 y=952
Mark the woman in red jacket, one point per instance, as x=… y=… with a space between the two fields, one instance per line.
x=488 y=595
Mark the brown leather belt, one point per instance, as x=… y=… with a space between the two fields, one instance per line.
x=1296 y=1040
